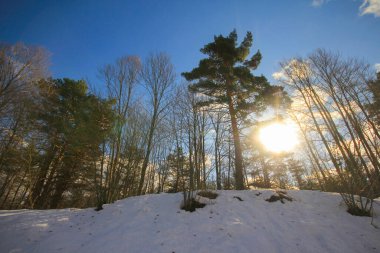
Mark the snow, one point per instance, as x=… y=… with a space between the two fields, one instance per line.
x=312 y=222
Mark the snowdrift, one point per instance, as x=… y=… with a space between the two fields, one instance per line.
x=312 y=222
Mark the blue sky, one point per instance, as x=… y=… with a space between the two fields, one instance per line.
x=84 y=35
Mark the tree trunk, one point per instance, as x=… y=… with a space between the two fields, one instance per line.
x=147 y=154
x=239 y=177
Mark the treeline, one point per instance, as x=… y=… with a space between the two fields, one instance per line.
x=65 y=145
x=336 y=106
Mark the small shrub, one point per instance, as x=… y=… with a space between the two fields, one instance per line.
x=191 y=204
x=357 y=211
x=279 y=195
x=357 y=205
x=208 y=194
x=98 y=208
x=100 y=198
x=274 y=198
x=358 y=193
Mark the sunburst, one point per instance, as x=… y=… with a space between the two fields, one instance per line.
x=279 y=137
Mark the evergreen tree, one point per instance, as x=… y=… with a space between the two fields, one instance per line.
x=225 y=78
x=72 y=124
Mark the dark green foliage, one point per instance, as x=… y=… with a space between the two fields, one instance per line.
x=51 y=158
x=226 y=74
x=74 y=124
x=227 y=70
x=68 y=111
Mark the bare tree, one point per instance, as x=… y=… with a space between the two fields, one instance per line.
x=334 y=93
x=20 y=67
x=157 y=76
x=120 y=79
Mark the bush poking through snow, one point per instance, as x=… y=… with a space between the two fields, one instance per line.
x=208 y=194
x=191 y=204
x=279 y=195
x=357 y=211
x=358 y=195
x=358 y=205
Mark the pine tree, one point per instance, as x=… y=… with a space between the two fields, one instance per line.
x=225 y=78
x=73 y=124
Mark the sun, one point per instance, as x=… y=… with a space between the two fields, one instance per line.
x=279 y=137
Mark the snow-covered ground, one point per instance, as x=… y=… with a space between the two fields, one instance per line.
x=313 y=222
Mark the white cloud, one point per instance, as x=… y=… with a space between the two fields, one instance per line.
x=377 y=67
x=317 y=3
x=370 y=7
x=278 y=75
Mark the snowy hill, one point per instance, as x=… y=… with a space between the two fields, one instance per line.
x=312 y=222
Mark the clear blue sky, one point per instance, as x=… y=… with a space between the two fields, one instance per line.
x=84 y=35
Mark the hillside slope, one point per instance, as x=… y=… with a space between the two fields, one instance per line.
x=313 y=222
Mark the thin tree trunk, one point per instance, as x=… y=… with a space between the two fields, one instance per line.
x=147 y=154
x=239 y=177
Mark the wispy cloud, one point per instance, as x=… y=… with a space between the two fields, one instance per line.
x=278 y=75
x=377 y=67
x=370 y=7
x=317 y=3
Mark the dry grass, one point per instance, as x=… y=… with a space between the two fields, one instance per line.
x=208 y=194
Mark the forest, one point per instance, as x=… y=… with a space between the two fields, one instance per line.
x=65 y=143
